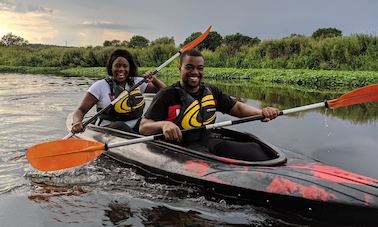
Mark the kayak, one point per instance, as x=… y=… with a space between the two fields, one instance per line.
x=288 y=183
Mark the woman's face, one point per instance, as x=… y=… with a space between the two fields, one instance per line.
x=120 y=69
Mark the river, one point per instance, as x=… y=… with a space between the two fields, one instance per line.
x=33 y=109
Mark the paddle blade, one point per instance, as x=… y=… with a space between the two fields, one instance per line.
x=360 y=95
x=197 y=41
x=63 y=154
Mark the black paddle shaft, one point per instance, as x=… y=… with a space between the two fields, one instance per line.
x=218 y=125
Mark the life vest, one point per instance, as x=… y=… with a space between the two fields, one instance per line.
x=191 y=112
x=128 y=108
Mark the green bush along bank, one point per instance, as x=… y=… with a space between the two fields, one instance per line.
x=327 y=79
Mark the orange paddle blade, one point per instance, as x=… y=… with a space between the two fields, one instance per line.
x=63 y=154
x=360 y=95
x=197 y=41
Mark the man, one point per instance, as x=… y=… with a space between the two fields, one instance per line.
x=190 y=103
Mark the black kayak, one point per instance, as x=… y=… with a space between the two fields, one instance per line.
x=289 y=183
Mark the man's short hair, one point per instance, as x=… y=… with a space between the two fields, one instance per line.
x=192 y=53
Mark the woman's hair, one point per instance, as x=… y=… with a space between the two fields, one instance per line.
x=127 y=55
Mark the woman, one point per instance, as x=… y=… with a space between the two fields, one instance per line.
x=126 y=113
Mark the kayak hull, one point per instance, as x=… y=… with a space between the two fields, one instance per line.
x=290 y=183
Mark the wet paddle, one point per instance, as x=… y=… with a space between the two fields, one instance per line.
x=188 y=46
x=63 y=154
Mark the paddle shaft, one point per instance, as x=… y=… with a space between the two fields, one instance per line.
x=218 y=125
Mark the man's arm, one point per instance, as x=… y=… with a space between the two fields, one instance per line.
x=170 y=130
x=243 y=110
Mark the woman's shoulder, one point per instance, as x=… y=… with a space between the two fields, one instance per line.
x=99 y=86
x=99 y=83
x=137 y=79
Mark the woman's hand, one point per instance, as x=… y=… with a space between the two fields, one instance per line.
x=77 y=127
x=149 y=77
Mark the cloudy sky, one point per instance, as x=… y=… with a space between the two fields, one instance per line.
x=90 y=22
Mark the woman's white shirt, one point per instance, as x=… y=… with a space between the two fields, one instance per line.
x=101 y=90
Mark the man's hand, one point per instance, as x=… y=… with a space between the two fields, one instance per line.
x=171 y=131
x=269 y=113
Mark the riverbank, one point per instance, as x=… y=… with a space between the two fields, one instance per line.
x=326 y=79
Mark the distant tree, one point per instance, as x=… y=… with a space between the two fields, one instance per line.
x=164 y=41
x=212 y=41
x=138 y=41
x=10 y=40
x=192 y=37
x=124 y=43
x=107 y=43
x=295 y=35
x=115 y=43
x=237 y=40
x=326 y=33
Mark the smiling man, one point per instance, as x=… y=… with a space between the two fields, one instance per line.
x=190 y=103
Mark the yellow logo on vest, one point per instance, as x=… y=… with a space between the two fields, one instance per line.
x=122 y=107
x=190 y=117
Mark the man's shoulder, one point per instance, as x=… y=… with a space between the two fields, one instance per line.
x=167 y=93
x=169 y=89
x=213 y=89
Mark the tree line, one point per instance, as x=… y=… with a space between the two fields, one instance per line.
x=326 y=48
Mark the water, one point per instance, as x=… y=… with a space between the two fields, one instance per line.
x=33 y=109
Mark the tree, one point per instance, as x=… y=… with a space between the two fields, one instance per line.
x=107 y=43
x=124 y=43
x=212 y=41
x=10 y=40
x=322 y=33
x=163 y=41
x=114 y=43
x=237 y=40
x=138 y=41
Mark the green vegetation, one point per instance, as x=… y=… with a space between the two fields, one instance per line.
x=325 y=60
x=321 y=79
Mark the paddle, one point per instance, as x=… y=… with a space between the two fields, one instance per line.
x=188 y=46
x=63 y=154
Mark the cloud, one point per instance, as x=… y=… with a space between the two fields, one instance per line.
x=23 y=8
x=105 y=25
x=34 y=27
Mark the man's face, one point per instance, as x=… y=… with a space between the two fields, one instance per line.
x=191 y=72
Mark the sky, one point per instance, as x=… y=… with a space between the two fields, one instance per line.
x=91 y=22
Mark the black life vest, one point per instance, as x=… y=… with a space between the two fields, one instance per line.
x=128 y=108
x=191 y=112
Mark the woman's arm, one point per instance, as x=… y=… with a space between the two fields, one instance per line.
x=86 y=104
x=153 y=83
